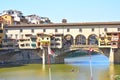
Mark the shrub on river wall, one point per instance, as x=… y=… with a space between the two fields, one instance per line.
x=117 y=77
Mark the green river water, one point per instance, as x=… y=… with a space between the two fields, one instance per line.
x=68 y=71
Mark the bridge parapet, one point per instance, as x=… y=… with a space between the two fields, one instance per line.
x=85 y=46
x=74 y=47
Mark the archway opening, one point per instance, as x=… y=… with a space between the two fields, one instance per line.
x=93 y=39
x=80 y=40
x=67 y=40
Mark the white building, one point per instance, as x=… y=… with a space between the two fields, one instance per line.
x=35 y=19
x=17 y=15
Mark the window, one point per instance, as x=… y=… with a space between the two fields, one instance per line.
x=56 y=30
x=21 y=30
x=1 y=31
x=32 y=30
x=80 y=29
x=118 y=29
x=33 y=39
x=44 y=30
x=6 y=36
x=11 y=35
x=9 y=12
x=109 y=38
x=5 y=16
x=115 y=34
x=47 y=38
x=16 y=36
x=102 y=38
x=6 y=30
x=33 y=45
x=92 y=29
x=22 y=36
x=68 y=30
x=114 y=43
x=27 y=44
x=22 y=45
x=105 y=29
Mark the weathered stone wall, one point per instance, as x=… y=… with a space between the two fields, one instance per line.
x=117 y=56
x=21 y=57
x=106 y=52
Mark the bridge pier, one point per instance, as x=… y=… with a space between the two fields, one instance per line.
x=117 y=56
x=114 y=56
x=111 y=55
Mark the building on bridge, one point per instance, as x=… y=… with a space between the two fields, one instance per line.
x=91 y=33
x=65 y=35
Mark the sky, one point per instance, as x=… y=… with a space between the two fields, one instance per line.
x=72 y=10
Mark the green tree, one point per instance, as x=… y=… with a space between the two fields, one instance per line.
x=117 y=77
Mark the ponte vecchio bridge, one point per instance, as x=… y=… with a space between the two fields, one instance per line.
x=101 y=36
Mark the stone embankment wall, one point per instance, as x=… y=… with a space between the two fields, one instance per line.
x=29 y=56
x=21 y=57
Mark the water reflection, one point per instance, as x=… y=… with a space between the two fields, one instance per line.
x=100 y=66
x=75 y=69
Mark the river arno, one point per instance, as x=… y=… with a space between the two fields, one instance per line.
x=74 y=69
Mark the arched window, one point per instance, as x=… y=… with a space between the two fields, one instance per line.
x=92 y=40
x=80 y=40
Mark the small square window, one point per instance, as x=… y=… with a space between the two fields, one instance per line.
x=6 y=30
x=44 y=30
x=92 y=29
x=16 y=36
x=105 y=29
x=22 y=36
x=11 y=35
x=80 y=29
x=118 y=29
x=56 y=30
x=68 y=30
x=21 y=30
x=6 y=36
x=32 y=30
x=1 y=31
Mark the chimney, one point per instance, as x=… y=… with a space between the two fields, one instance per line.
x=64 y=20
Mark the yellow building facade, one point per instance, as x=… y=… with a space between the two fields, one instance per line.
x=7 y=19
x=43 y=40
